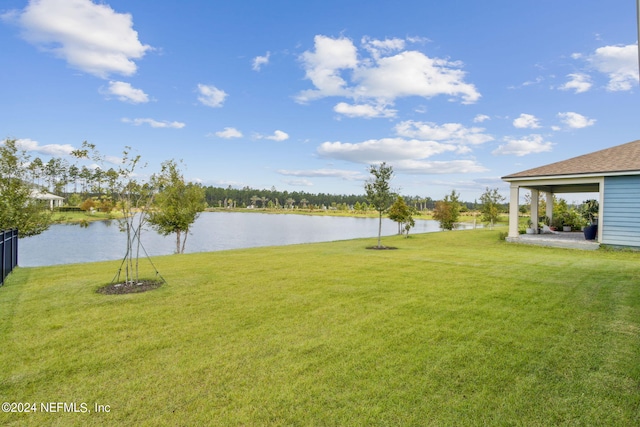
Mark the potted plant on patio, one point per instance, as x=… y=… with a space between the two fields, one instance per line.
x=590 y=210
x=571 y=220
x=530 y=228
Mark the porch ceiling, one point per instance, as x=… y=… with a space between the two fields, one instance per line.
x=565 y=188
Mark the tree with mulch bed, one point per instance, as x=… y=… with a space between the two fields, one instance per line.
x=131 y=287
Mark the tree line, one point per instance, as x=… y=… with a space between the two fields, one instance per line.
x=96 y=187
x=79 y=182
x=165 y=201
x=230 y=197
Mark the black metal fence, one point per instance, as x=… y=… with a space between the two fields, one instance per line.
x=8 y=252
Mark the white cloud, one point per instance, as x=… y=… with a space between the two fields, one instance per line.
x=451 y=132
x=367 y=111
x=575 y=120
x=325 y=173
x=211 y=96
x=526 y=121
x=126 y=93
x=154 y=123
x=299 y=183
x=90 y=37
x=522 y=147
x=259 y=61
x=323 y=67
x=379 y=150
x=481 y=118
x=229 y=133
x=278 y=135
x=412 y=73
x=380 y=47
x=619 y=63
x=438 y=167
x=414 y=149
x=536 y=81
x=27 y=144
x=380 y=78
x=578 y=82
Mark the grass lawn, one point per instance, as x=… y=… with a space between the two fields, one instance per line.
x=453 y=328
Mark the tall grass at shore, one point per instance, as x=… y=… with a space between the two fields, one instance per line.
x=452 y=328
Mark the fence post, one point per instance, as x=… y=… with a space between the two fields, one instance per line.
x=14 y=248
x=8 y=252
x=2 y=276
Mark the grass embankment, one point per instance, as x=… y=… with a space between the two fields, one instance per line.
x=84 y=217
x=453 y=328
x=424 y=215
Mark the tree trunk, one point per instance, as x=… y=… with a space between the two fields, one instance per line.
x=184 y=241
x=178 y=241
x=379 y=228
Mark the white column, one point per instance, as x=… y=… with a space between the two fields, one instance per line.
x=549 y=198
x=601 y=208
x=514 y=204
x=534 y=207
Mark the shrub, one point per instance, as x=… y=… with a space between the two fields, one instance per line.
x=87 y=205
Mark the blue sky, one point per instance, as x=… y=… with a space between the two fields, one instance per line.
x=304 y=95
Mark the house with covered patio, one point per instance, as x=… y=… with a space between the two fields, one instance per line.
x=51 y=199
x=612 y=173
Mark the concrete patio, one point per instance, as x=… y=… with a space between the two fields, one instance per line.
x=569 y=240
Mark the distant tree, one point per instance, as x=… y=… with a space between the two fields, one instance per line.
x=177 y=204
x=401 y=213
x=490 y=202
x=74 y=174
x=17 y=208
x=36 y=169
x=447 y=211
x=85 y=179
x=379 y=192
x=289 y=203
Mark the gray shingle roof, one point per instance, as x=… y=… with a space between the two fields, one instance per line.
x=621 y=158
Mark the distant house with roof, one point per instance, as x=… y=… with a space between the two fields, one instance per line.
x=53 y=200
x=613 y=173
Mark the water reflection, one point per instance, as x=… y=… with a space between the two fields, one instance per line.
x=213 y=231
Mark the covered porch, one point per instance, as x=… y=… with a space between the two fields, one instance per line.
x=613 y=174
x=548 y=186
x=51 y=199
x=568 y=240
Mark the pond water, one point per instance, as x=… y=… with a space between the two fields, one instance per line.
x=212 y=231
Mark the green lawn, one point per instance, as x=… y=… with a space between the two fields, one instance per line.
x=453 y=328
x=79 y=217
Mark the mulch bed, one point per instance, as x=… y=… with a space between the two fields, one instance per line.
x=129 y=287
x=381 y=248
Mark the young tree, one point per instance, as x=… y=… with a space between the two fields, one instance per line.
x=490 y=206
x=378 y=191
x=131 y=197
x=17 y=208
x=401 y=213
x=177 y=204
x=447 y=211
